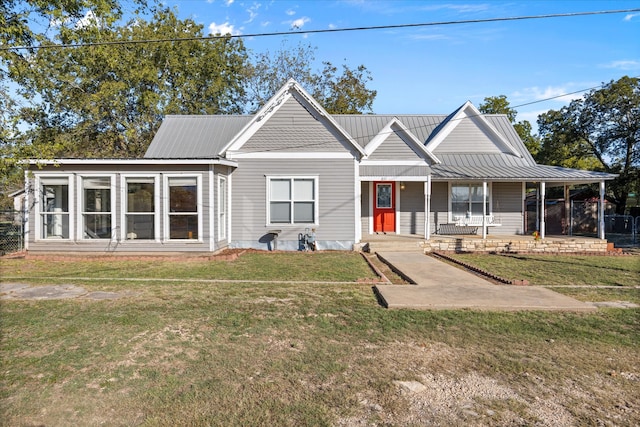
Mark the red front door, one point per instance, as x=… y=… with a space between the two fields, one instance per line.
x=384 y=207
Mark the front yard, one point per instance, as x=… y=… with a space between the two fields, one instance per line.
x=304 y=342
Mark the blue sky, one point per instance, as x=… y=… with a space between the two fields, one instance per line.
x=436 y=69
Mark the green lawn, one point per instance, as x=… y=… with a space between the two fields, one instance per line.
x=225 y=354
x=554 y=270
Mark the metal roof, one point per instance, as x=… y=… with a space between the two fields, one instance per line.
x=522 y=173
x=194 y=137
x=203 y=137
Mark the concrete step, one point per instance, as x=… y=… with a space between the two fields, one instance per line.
x=391 y=246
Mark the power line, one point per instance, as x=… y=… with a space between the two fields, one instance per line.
x=563 y=95
x=330 y=30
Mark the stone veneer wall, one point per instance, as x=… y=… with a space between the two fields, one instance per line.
x=548 y=245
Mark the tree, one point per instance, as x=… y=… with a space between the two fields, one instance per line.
x=108 y=100
x=344 y=94
x=338 y=94
x=500 y=105
x=604 y=128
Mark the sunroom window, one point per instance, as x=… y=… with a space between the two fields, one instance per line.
x=183 y=208
x=140 y=213
x=466 y=200
x=292 y=200
x=96 y=211
x=54 y=215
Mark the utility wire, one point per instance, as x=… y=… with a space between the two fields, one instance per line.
x=331 y=30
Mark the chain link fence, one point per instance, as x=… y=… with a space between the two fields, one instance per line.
x=11 y=232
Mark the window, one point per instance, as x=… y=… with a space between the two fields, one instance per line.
x=140 y=210
x=96 y=208
x=183 y=207
x=292 y=200
x=54 y=214
x=466 y=200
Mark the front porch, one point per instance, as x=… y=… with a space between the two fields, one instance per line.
x=492 y=243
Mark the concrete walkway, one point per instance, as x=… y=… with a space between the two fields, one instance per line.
x=442 y=286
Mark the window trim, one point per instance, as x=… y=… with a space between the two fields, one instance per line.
x=316 y=201
x=222 y=226
x=112 y=188
x=468 y=184
x=39 y=207
x=124 y=208
x=166 y=214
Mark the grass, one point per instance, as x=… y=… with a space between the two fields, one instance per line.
x=566 y=270
x=195 y=353
x=257 y=266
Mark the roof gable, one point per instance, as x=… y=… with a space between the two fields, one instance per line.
x=292 y=121
x=396 y=142
x=466 y=130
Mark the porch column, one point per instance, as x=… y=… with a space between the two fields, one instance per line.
x=484 y=209
x=601 y=212
x=567 y=210
x=543 y=225
x=427 y=208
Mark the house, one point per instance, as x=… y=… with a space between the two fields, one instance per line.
x=290 y=170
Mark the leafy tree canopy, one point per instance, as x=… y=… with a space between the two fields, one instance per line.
x=346 y=93
x=603 y=128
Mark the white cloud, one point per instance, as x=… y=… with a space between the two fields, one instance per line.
x=623 y=65
x=290 y=12
x=558 y=94
x=463 y=8
x=89 y=19
x=630 y=16
x=228 y=2
x=223 y=29
x=253 y=12
x=297 y=24
x=530 y=116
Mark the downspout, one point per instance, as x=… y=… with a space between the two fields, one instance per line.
x=601 y=212
x=484 y=210
x=543 y=225
x=427 y=208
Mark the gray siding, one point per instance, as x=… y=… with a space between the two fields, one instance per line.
x=116 y=243
x=394 y=148
x=336 y=204
x=439 y=205
x=364 y=207
x=412 y=208
x=292 y=128
x=507 y=207
x=467 y=137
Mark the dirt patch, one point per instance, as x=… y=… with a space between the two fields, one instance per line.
x=19 y=291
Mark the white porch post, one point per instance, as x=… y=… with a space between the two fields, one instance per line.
x=601 y=212
x=427 y=208
x=543 y=225
x=484 y=209
x=567 y=210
